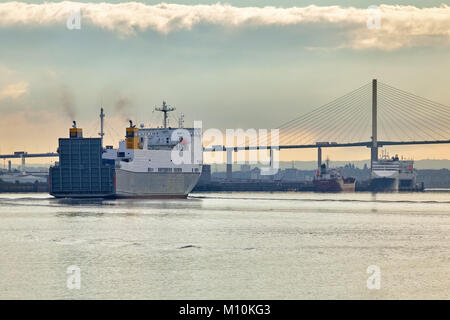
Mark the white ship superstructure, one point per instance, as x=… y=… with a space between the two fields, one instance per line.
x=393 y=174
x=157 y=162
x=150 y=163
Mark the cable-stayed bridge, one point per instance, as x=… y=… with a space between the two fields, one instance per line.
x=373 y=115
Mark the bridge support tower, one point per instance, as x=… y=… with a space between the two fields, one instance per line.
x=229 y=163
x=319 y=157
x=374 y=147
x=23 y=163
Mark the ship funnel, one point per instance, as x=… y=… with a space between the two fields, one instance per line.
x=75 y=132
x=132 y=136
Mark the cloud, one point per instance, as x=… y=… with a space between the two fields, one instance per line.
x=401 y=26
x=14 y=90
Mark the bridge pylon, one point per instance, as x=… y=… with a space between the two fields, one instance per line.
x=374 y=146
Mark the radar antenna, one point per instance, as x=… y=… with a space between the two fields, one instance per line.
x=165 y=109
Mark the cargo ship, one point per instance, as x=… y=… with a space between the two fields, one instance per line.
x=392 y=175
x=159 y=162
x=330 y=180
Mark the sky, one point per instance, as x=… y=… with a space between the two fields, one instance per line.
x=234 y=64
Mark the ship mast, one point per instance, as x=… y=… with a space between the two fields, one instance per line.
x=165 y=109
x=181 y=121
x=101 y=133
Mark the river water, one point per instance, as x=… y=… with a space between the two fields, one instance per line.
x=227 y=246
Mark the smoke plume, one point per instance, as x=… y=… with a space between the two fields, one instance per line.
x=68 y=102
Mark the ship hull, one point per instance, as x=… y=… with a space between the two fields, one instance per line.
x=384 y=185
x=151 y=197
x=151 y=185
x=348 y=185
x=143 y=185
x=74 y=195
x=335 y=185
x=327 y=186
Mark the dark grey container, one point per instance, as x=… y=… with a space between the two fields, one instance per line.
x=81 y=172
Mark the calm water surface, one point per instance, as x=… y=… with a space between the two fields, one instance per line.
x=227 y=245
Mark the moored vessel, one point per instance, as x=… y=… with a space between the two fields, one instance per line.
x=330 y=180
x=393 y=174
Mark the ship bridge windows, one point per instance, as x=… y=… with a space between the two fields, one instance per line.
x=177 y=170
x=164 y=169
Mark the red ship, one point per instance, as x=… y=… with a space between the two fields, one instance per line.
x=330 y=180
